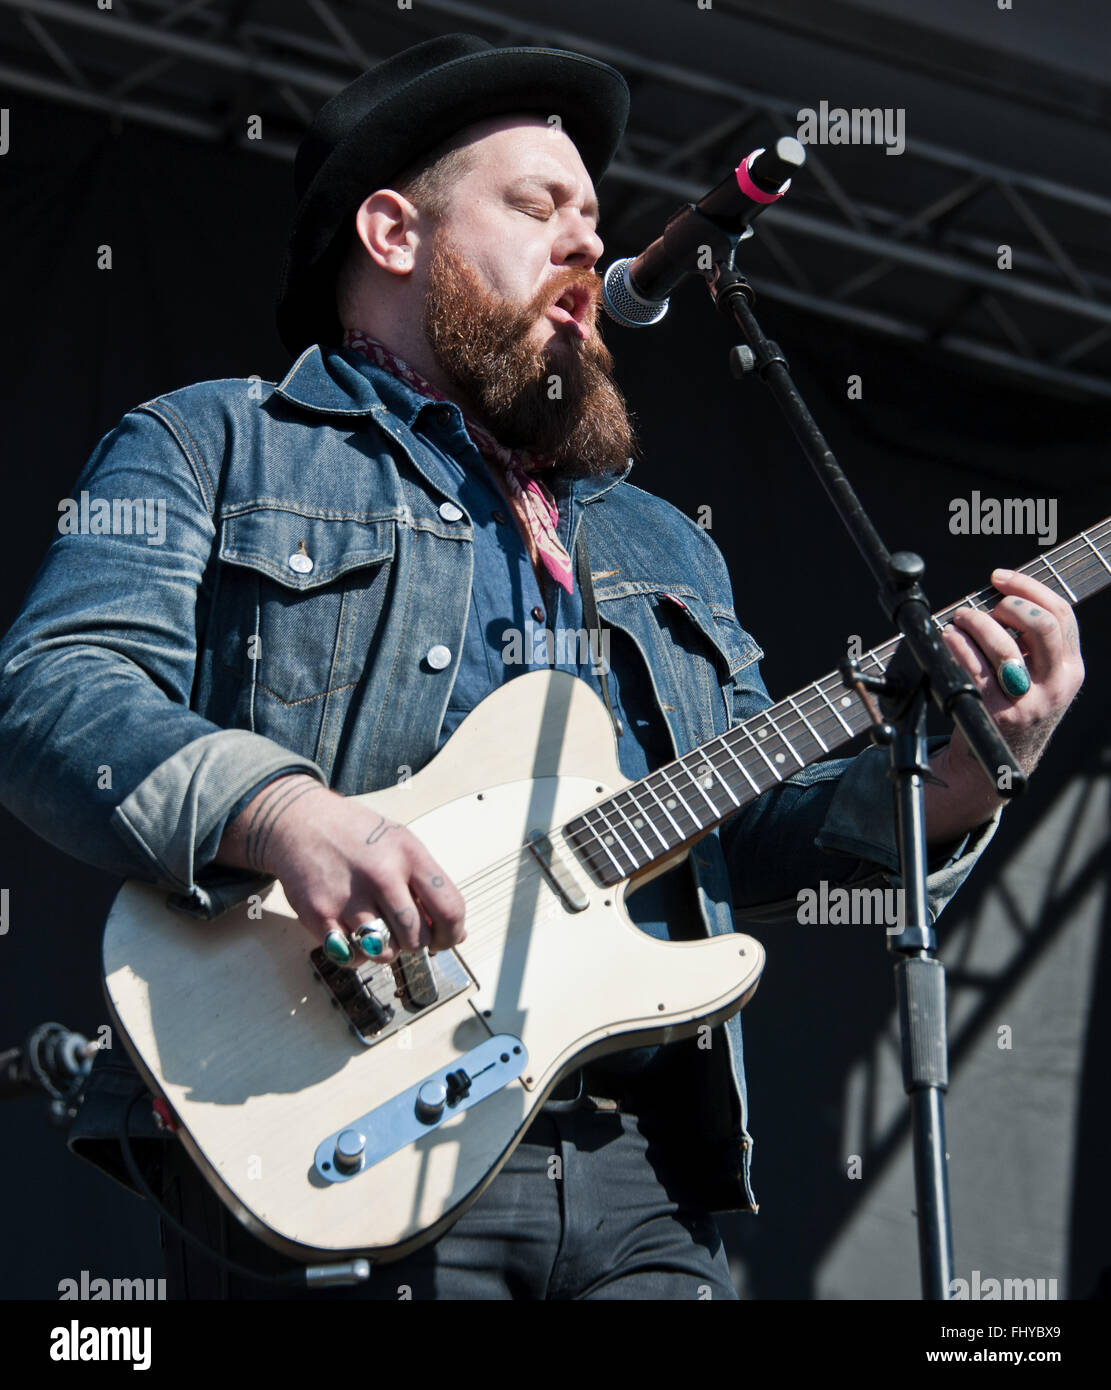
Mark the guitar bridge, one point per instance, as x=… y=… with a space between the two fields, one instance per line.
x=379 y=1000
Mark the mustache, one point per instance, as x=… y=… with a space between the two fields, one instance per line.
x=574 y=277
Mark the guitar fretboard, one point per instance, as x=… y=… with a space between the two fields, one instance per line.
x=678 y=802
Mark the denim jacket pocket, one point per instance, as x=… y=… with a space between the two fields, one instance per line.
x=695 y=651
x=301 y=598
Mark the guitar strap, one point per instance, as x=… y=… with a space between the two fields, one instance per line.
x=593 y=622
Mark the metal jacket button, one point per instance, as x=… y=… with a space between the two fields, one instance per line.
x=450 y=512
x=438 y=656
x=300 y=562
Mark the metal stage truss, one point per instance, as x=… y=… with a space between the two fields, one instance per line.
x=908 y=247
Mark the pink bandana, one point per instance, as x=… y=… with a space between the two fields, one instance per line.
x=532 y=502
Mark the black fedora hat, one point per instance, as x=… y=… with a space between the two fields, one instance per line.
x=381 y=123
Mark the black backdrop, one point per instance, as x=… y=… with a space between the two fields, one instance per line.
x=196 y=235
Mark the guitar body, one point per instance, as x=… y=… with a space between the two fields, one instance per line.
x=226 y=1021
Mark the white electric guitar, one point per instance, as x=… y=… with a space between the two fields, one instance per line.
x=360 y=1111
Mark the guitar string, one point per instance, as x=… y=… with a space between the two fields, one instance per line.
x=807 y=717
x=729 y=752
x=480 y=891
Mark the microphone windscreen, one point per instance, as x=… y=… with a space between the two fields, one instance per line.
x=622 y=302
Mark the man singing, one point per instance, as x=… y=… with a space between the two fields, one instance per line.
x=347 y=556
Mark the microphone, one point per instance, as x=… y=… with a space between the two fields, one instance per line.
x=635 y=291
x=53 y=1059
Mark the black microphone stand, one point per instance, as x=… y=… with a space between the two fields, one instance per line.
x=922 y=668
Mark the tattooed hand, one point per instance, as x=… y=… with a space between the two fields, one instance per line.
x=342 y=864
x=1032 y=624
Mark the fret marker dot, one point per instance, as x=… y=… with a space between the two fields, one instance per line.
x=761 y=733
x=607 y=839
x=671 y=803
x=637 y=822
x=846 y=701
x=780 y=758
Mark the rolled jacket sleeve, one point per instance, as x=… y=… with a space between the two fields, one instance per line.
x=835 y=822
x=100 y=753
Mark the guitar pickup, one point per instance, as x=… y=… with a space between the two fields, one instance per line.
x=557 y=872
x=420 y=982
x=379 y=1000
x=353 y=992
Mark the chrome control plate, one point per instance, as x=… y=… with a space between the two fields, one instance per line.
x=487 y=1067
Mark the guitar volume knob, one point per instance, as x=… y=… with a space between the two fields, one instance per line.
x=431 y=1099
x=350 y=1147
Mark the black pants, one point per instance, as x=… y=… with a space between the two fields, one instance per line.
x=585 y=1207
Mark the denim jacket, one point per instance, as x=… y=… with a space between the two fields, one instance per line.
x=307 y=570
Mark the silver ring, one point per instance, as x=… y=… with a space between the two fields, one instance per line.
x=372 y=938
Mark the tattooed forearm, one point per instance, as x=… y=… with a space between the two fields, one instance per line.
x=276 y=800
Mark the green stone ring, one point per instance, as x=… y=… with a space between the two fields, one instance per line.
x=1013 y=678
x=336 y=947
x=372 y=939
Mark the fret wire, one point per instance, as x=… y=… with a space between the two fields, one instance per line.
x=889 y=647
x=698 y=784
x=1031 y=570
x=710 y=763
x=600 y=848
x=1046 y=562
x=874 y=654
x=615 y=803
x=833 y=707
x=1092 y=576
x=715 y=772
x=823 y=712
x=737 y=729
x=1087 y=581
x=783 y=737
x=813 y=732
x=667 y=778
x=738 y=760
x=597 y=810
x=663 y=806
x=645 y=815
x=1072 y=555
x=708 y=755
x=1095 y=552
x=775 y=771
x=589 y=851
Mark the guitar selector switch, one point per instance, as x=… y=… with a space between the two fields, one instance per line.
x=349 y=1151
x=458 y=1084
x=431 y=1099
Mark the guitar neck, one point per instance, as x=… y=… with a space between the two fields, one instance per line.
x=652 y=818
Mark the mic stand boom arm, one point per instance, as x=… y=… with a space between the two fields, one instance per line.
x=922 y=668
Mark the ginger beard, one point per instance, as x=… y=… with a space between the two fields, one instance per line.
x=482 y=342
